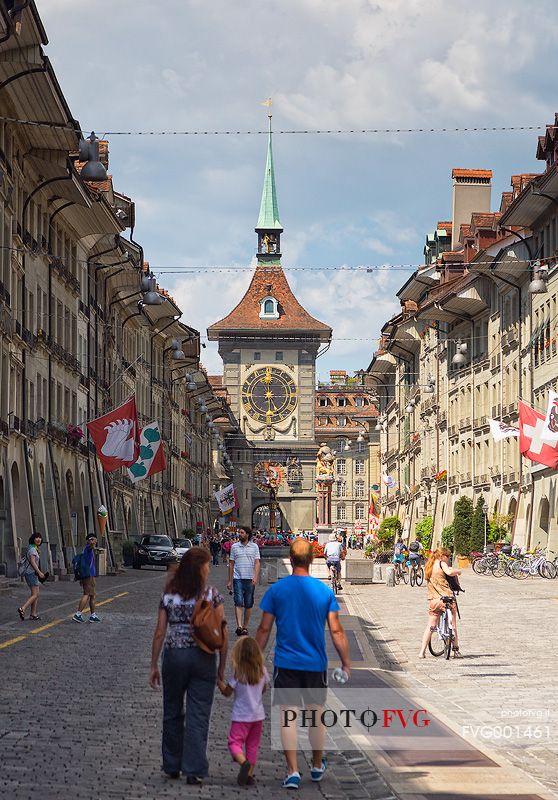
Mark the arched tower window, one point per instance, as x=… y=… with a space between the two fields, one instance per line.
x=269 y=308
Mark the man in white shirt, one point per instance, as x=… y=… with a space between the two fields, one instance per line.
x=332 y=552
x=244 y=571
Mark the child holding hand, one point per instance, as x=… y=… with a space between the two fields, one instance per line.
x=248 y=685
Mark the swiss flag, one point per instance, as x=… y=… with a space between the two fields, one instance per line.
x=532 y=426
x=116 y=436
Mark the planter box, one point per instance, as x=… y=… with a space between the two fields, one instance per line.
x=463 y=562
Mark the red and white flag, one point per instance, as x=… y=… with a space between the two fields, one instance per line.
x=532 y=425
x=116 y=436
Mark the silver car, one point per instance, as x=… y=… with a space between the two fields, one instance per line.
x=181 y=546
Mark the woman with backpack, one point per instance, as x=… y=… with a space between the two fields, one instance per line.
x=32 y=575
x=191 y=626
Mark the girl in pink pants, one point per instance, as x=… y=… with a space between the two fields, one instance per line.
x=247 y=685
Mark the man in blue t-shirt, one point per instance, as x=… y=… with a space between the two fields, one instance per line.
x=88 y=575
x=301 y=606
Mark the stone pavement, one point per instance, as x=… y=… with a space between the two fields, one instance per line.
x=502 y=695
x=78 y=720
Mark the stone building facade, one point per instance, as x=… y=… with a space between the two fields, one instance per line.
x=79 y=332
x=476 y=302
x=345 y=420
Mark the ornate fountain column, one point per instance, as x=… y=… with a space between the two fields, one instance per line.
x=324 y=481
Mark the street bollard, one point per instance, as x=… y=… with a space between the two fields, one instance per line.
x=377 y=574
x=390 y=576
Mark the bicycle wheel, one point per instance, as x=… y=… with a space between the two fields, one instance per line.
x=547 y=570
x=436 y=644
x=413 y=577
x=520 y=570
x=477 y=565
x=419 y=577
x=448 y=641
x=405 y=574
x=396 y=575
x=499 y=569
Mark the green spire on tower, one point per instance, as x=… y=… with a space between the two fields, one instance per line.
x=268 y=219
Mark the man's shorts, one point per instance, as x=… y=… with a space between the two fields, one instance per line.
x=243 y=591
x=88 y=586
x=300 y=687
x=333 y=562
x=398 y=559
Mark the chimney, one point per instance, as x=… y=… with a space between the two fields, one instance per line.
x=104 y=153
x=470 y=194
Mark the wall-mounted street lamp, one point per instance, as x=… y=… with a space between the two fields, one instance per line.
x=430 y=385
x=410 y=407
x=149 y=289
x=459 y=358
x=539 y=283
x=360 y=437
x=93 y=169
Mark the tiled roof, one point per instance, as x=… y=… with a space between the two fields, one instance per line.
x=269 y=281
x=215 y=380
x=484 y=220
x=444 y=226
x=471 y=173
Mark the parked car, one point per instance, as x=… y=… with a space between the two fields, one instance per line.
x=154 y=549
x=181 y=546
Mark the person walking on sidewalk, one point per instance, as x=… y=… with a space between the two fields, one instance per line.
x=248 y=685
x=214 y=548
x=187 y=669
x=88 y=581
x=32 y=576
x=244 y=571
x=300 y=606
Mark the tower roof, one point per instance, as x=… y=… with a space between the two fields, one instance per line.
x=268 y=219
x=269 y=281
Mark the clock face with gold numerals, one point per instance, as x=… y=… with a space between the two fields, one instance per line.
x=269 y=395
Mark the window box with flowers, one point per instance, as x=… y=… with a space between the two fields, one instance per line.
x=441 y=477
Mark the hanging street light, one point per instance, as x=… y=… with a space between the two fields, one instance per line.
x=93 y=169
x=459 y=358
x=539 y=283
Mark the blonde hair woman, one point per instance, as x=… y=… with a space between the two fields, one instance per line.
x=436 y=571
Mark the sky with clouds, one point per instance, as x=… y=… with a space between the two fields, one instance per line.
x=345 y=199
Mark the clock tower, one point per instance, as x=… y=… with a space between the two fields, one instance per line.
x=269 y=344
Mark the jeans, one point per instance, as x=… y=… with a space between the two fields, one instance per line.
x=243 y=589
x=193 y=672
x=215 y=559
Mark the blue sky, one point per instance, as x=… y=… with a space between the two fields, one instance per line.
x=344 y=200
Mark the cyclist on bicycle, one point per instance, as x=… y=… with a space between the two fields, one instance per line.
x=416 y=550
x=399 y=551
x=437 y=571
x=332 y=552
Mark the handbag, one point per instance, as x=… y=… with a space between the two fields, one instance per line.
x=207 y=625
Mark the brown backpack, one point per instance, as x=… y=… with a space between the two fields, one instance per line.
x=208 y=627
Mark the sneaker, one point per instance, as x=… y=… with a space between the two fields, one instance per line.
x=244 y=631
x=292 y=781
x=94 y=618
x=317 y=773
x=238 y=631
x=78 y=617
x=250 y=780
x=194 y=780
x=243 y=773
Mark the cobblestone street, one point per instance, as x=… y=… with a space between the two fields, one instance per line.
x=508 y=674
x=76 y=705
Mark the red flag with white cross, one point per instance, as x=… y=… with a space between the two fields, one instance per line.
x=532 y=426
x=116 y=436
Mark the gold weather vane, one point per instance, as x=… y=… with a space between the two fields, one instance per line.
x=268 y=104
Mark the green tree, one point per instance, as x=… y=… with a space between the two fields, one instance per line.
x=423 y=531
x=447 y=537
x=462 y=522
x=476 y=542
x=389 y=530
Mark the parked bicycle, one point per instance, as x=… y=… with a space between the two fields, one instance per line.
x=442 y=638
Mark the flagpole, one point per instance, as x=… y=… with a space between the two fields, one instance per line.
x=122 y=403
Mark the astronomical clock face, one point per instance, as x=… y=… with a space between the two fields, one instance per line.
x=269 y=395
